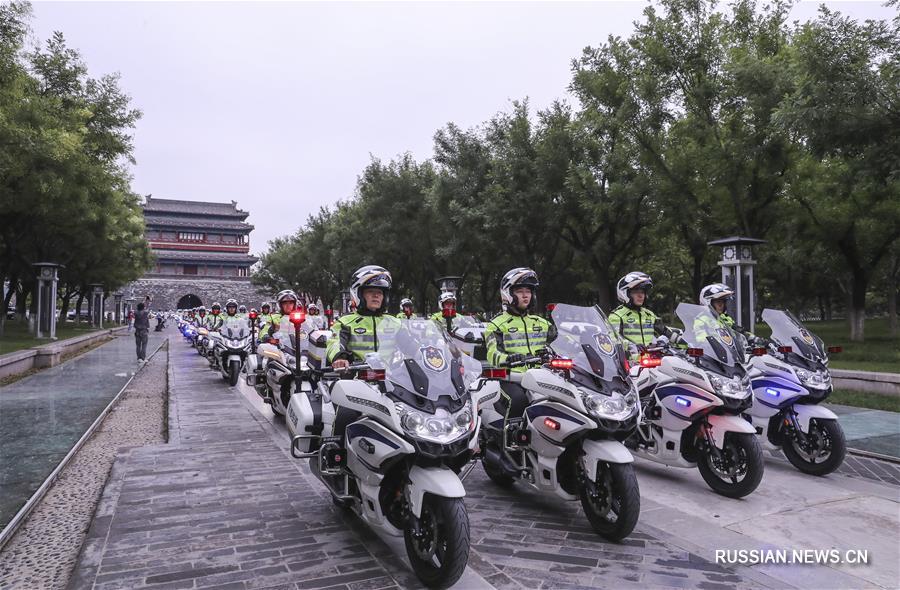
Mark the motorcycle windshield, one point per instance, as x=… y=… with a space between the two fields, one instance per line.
x=468 y=329
x=235 y=328
x=585 y=336
x=703 y=330
x=787 y=330
x=420 y=359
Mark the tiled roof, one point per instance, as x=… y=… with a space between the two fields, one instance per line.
x=154 y=205
x=157 y=221
x=179 y=255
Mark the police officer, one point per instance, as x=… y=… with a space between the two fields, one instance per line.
x=265 y=315
x=446 y=309
x=231 y=310
x=358 y=333
x=287 y=302
x=314 y=321
x=200 y=317
x=716 y=297
x=214 y=321
x=406 y=309
x=632 y=320
x=515 y=334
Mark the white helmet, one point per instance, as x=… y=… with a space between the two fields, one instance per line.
x=406 y=301
x=517 y=277
x=633 y=280
x=312 y=306
x=710 y=293
x=367 y=277
x=445 y=296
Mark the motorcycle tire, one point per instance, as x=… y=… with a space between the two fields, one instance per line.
x=615 y=492
x=833 y=436
x=234 y=372
x=746 y=448
x=444 y=526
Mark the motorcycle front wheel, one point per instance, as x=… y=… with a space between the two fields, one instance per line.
x=234 y=371
x=822 y=452
x=612 y=503
x=438 y=547
x=739 y=469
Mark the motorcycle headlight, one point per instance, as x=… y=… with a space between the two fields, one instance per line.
x=814 y=378
x=440 y=427
x=736 y=388
x=610 y=407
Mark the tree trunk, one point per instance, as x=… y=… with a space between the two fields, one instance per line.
x=78 y=307
x=857 y=310
x=892 y=304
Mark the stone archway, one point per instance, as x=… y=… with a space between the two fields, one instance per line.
x=189 y=301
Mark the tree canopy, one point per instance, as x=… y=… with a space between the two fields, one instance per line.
x=706 y=121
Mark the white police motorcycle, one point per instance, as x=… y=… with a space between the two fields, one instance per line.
x=693 y=403
x=388 y=438
x=790 y=378
x=231 y=347
x=582 y=405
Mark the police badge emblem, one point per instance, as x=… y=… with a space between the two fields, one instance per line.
x=606 y=345
x=725 y=335
x=807 y=337
x=433 y=357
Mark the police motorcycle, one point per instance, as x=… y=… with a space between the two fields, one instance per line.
x=389 y=436
x=789 y=376
x=692 y=404
x=582 y=405
x=277 y=374
x=231 y=347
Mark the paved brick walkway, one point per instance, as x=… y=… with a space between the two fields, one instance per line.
x=220 y=506
x=223 y=506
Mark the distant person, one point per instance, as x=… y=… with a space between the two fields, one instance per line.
x=141 y=332
x=130 y=320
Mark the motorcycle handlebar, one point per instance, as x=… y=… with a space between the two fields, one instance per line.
x=338 y=374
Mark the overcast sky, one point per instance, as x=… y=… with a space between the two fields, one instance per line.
x=280 y=106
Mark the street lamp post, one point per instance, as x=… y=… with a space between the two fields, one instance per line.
x=96 y=305
x=117 y=298
x=47 y=278
x=737 y=272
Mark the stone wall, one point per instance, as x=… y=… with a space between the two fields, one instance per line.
x=165 y=293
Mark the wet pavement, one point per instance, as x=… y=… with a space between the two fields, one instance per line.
x=44 y=415
x=875 y=431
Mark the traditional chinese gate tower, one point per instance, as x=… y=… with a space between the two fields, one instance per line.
x=202 y=255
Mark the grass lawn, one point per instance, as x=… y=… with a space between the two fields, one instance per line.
x=864 y=399
x=879 y=352
x=16 y=336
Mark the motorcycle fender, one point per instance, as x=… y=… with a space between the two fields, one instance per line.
x=719 y=425
x=432 y=480
x=234 y=357
x=608 y=451
x=807 y=412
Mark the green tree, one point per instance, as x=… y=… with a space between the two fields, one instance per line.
x=845 y=112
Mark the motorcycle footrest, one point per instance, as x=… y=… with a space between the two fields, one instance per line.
x=332 y=458
x=517 y=439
